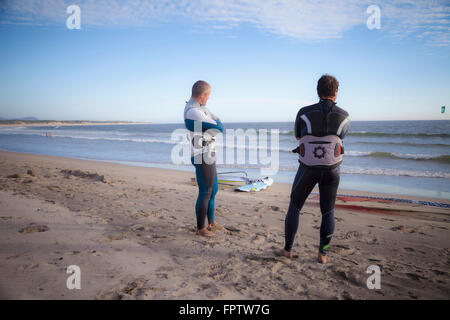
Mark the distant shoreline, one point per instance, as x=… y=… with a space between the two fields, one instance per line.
x=38 y=123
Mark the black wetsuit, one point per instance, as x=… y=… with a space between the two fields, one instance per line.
x=324 y=118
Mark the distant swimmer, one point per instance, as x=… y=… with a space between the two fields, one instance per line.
x=203 y=125
x=320 y=129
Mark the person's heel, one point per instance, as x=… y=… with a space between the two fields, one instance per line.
x=322 y=258
x=204 y=232
x=283 y=253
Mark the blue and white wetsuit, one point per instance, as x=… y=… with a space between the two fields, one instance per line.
x=202 y=126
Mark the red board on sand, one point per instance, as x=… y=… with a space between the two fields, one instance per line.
x=360 y=199
x=365 y=209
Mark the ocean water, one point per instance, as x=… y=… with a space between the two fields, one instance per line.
x=396 y=157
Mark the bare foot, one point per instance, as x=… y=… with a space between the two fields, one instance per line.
x=215 y=227
x=322 y=258
x=204 y=232
x=283 y=253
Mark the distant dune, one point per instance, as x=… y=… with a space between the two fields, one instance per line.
x=31 y=122
x=24 y=118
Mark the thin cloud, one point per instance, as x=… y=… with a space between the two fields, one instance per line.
x=427 y=20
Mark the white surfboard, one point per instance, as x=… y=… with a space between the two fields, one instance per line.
x=256 y=185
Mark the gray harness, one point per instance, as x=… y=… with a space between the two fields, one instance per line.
x=320 y=151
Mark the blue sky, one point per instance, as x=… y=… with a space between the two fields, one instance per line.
x=137 y=60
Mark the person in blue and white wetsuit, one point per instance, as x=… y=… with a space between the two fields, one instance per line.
x=203 y=125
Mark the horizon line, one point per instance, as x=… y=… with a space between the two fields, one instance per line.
x=177 y=122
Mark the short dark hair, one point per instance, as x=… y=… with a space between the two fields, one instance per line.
x=327 y=86
x=200 y=87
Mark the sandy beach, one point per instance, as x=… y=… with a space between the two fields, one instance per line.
x=131 y=230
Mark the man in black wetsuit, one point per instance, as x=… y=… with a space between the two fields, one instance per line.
x=320 y=129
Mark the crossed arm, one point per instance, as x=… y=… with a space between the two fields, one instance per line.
x=207 y=123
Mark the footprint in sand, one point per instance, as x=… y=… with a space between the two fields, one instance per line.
x=232 y=230
x=353 y=234
x=403 y=229
x=217 y=272
x=165 y=268
x=150 y=239
x=415 y=276
x=72 y=252
x=373 y=241
x=222 y=211
x=345 y=296
x=132 y=290
x=347 y=276
x=32 y=228
x=341 y=249
x=28 y=266
x=186 y=228
x=12 y=257
x=56 y=261
x=96 y=253
x=145 y=214
x=140 y=227
x=439 y=272
x=15 y=176
x=112 y=237
x=258 y=240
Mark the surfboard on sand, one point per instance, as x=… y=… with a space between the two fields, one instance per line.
x=256 y=185
x=233 y=178
x=241 y=181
